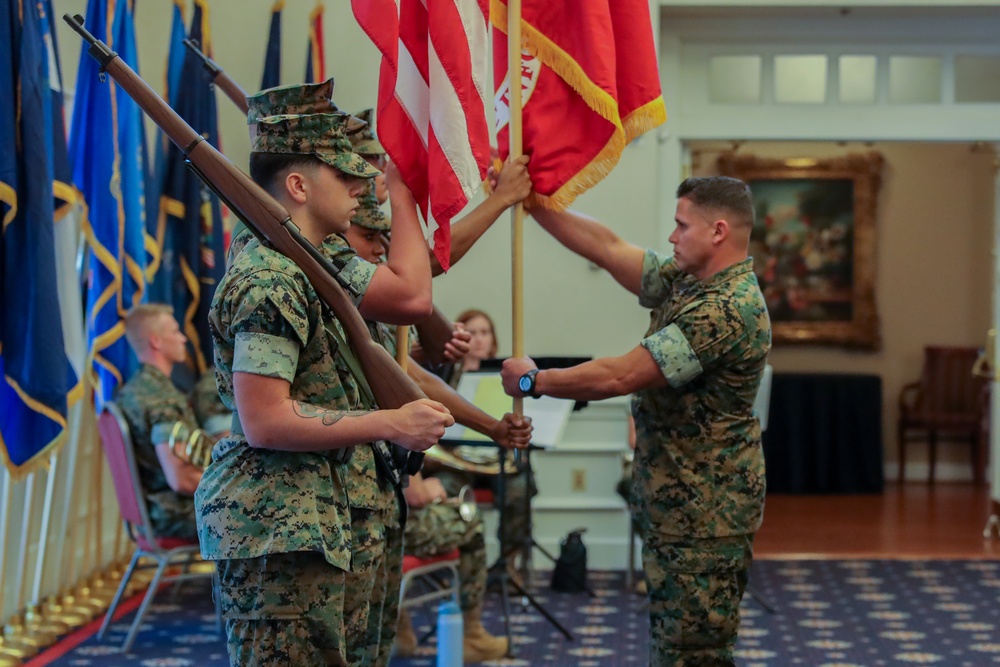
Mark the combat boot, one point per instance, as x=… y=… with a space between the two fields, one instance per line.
x=406 y=639
x=478 y=644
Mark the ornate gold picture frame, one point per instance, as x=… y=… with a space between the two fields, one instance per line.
x=813 y=244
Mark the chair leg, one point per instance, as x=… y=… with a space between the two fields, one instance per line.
x=119 y=593
x=217 y=597
x=154 y=584
x=931 y=456
x=630 y=568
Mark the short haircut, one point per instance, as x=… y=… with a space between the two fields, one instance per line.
x=720 y=193
x=267 y=169
x=139 y=321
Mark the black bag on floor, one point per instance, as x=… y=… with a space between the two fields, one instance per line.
x=570 y=573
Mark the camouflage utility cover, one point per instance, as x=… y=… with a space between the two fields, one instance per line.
x=699 y=466
x=320 y=134
x=266 y=319
x=370 y=215
x=363 y=137
x=153 y=408
x=296 y=99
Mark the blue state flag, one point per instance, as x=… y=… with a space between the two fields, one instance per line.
x=106 y=150
x=189 y=229
x=154 y=185
x=37 y=375
x=272 y=57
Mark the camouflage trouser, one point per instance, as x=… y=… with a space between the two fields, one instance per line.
x=439 y=528
x=297 y=609
x=695 y=589
x=382 y=621
x=516 y=493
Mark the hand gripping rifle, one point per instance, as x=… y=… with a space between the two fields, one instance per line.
x=270 y=222
x=436 y=329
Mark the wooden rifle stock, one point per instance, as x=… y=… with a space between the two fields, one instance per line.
x=219 y=77
x=267 y=218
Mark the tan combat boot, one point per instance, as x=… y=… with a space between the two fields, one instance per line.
x=479 y=645
x=406 y=640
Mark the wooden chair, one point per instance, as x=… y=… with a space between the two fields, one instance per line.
x=946 y=403
x=165 y=551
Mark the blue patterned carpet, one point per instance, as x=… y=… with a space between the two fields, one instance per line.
x=827 y=614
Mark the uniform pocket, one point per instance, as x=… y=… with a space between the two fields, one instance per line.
x=259 y=588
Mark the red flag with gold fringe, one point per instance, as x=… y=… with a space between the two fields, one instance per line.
x=589 y=86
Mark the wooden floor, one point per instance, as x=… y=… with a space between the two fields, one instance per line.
x=912 y=520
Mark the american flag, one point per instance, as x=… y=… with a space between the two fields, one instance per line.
x=431 y=116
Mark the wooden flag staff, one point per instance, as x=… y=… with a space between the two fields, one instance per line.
x=517 y=212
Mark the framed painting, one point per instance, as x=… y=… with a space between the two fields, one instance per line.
x=813 y=244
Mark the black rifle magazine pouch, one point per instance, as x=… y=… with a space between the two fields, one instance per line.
x=570 y=573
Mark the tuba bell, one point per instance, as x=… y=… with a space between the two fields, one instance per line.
x=477 y=460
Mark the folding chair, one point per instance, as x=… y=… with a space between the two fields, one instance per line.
x=118 y=449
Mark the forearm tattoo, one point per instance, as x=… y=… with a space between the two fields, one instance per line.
x=329 y=417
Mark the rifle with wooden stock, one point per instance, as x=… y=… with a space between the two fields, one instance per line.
x=233 y=90
x=270 y=222
x=434 y=331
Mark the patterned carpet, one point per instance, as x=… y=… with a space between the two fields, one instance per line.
x=827 y=614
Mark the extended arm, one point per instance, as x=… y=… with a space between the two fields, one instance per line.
x=595 y=242
x=513 y=185
x=400 y=289
x=271 y=419
x=508 y=432
x=590 y=381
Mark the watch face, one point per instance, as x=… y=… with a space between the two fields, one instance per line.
x=524 y=384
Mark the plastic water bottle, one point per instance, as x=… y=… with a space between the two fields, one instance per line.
x=449 y=632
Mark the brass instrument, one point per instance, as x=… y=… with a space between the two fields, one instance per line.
x=466 y=503
x=195 y=448
x=477 y=460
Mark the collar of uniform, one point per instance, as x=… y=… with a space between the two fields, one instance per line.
x=156 y=373
x=730 y=272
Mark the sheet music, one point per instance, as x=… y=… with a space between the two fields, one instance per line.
x=485 y=391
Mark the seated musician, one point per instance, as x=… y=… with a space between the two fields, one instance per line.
x=519 y=486
x=437 y=525
x=161 y=420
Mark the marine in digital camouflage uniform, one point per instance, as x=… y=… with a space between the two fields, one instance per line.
x=154 y=407
x=212 y=414
x=299 y=536
x=698 y=474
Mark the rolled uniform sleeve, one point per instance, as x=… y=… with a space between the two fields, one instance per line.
x=673 y=355
x=356 y=271
x=269 y=327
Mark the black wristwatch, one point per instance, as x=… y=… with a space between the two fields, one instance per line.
x=527 y=383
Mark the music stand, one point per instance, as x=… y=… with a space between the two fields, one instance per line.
x=483 y=389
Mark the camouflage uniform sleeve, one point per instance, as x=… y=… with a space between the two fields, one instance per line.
x=658 y=273
x=163 y=419
x=694 y=342
x=269 y=326
x=356 y=271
